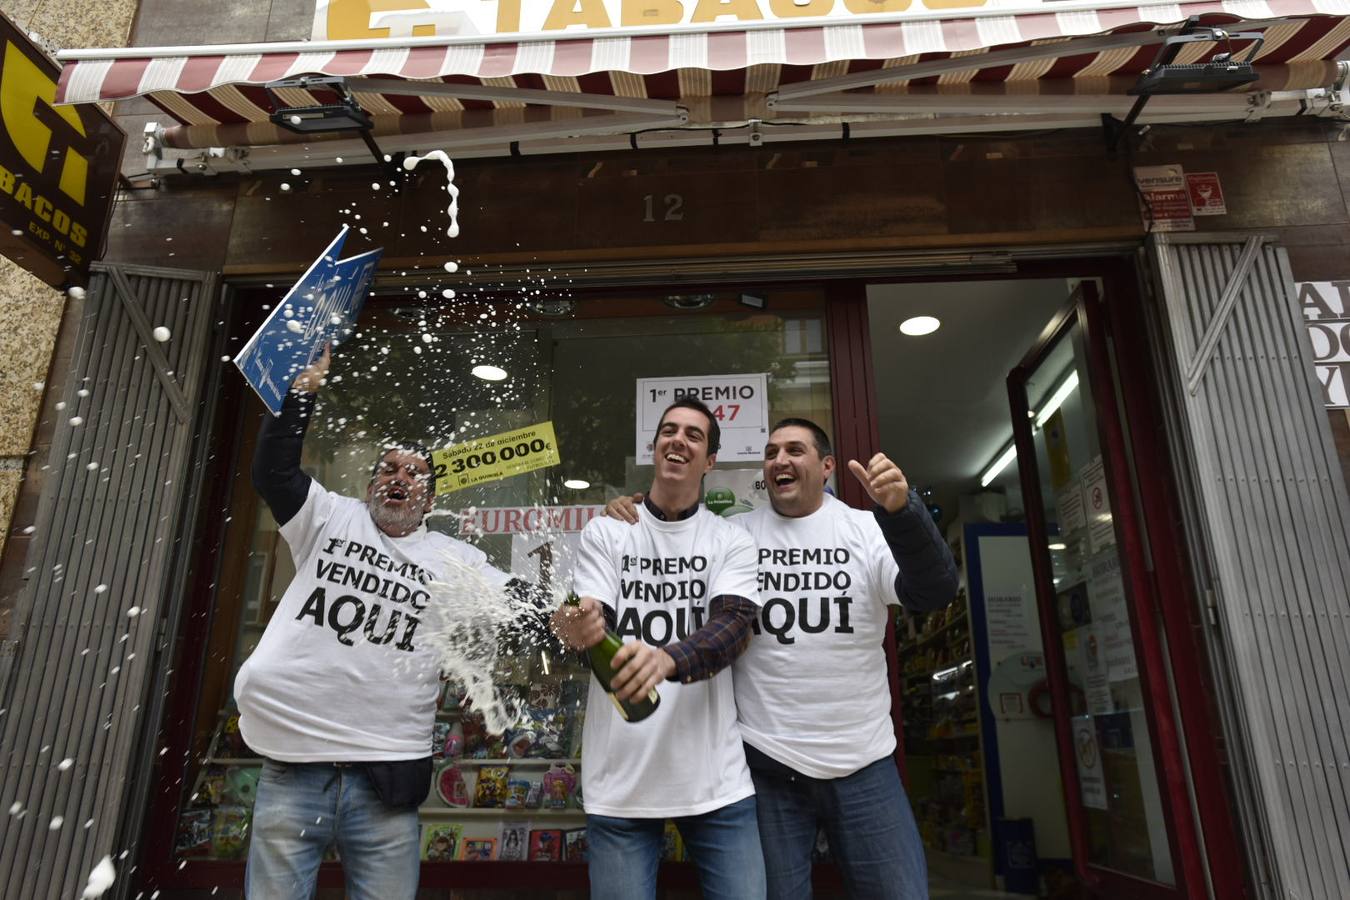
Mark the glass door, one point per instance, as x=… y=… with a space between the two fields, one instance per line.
x=1119 y=756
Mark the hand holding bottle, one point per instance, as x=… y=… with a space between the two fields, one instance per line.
x=638 y=669
x=581 y=625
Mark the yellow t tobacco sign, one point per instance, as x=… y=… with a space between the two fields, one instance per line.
x=58 y=167
x=492 y=458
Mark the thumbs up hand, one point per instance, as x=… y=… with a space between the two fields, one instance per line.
x=883 y=481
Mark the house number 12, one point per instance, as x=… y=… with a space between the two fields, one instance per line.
x=674 y=208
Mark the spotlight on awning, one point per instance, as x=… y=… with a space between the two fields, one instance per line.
x=343 y=115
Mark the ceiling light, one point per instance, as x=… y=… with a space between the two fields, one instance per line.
x=919 y=325
x=576 y=484
x=489 y=373
x=999 y=465
x=1059 y=546
x=1057 y=399
x=690 y=302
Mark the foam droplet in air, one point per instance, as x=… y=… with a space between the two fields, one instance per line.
x=295 y=120
x=76 y=420
x=100 y=879
x=294 y=325
x=75 y=292
x=452 y=266
x=65 y=764
x=160 y=333
x=56 y=823
x=133 y=612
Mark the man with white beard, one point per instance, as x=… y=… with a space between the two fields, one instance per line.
x=340 y=695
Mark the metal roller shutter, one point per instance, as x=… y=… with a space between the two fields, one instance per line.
x=106 y=541
x=1269 y=523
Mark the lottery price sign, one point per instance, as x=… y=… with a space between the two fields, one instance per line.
x=739 y=402
x=492 y=458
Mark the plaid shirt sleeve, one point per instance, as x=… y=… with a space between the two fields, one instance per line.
x=717 y=644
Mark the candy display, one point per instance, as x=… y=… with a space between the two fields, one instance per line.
x=491 y=788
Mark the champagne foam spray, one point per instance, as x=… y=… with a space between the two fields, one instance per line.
x=411 y=162
x=477 y=628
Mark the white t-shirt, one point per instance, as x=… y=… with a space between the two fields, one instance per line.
x=341 y=673
x=811 y=689
x=686 y=758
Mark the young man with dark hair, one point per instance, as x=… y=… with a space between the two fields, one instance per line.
x=811 y=690
x=340 y=695
x=680 y=589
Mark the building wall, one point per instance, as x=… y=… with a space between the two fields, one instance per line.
x=30 y=311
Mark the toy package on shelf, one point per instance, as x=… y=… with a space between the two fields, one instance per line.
x=559 y=781
x=478 y=849
x=546 y=845
x=512 y=841
x=194 y=833
x=440 y=841
x=451 y=787
x=229 y=832
x=517 y=792
x=577 y=850
x=672 y=845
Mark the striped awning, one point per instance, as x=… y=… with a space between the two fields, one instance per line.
x=715 y=73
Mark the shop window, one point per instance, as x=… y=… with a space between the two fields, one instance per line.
x=408 y=376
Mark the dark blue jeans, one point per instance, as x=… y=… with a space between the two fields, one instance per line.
x=866 y=816
x=626 y=853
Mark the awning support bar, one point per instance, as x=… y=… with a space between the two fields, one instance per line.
x=788 y=97
x=513 y=95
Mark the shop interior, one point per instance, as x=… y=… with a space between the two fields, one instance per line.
x=981 y=757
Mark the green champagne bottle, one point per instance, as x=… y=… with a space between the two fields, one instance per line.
x=600 y=657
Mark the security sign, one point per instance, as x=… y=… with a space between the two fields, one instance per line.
x=492 y=458
x=58 y=168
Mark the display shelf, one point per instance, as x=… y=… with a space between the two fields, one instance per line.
x=464 y=761
x=481 y=811
x=920 y=641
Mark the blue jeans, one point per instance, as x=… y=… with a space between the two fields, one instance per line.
x=866 y=816
x=304 y=808
x=724 y=844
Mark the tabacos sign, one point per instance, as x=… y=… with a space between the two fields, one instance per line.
x=58 y=167
x=337 y=20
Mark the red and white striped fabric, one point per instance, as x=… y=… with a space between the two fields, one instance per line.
x=208 y=86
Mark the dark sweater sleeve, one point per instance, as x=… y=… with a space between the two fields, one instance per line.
x=928 y=578
x=276 y=460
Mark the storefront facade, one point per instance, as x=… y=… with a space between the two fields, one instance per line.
x=1196 y=415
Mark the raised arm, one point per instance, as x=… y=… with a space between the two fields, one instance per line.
x=276 y=460
x=927 y=579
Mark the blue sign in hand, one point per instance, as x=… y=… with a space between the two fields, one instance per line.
x=321 y=307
